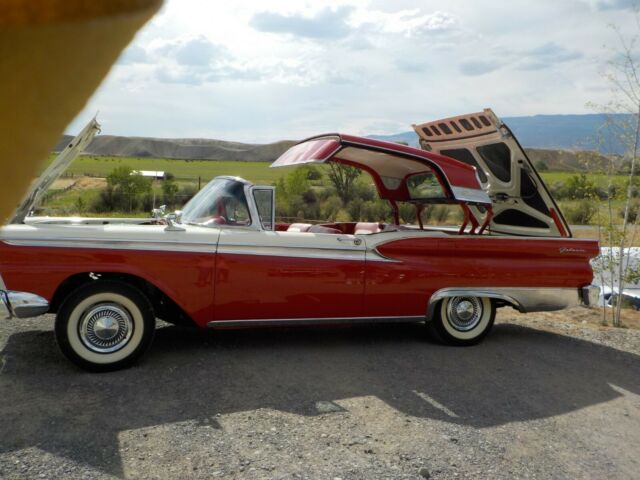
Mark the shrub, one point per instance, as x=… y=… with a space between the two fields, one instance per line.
x=634 y=211
x=579 y=187
x=407 y=213
x=581 y=213
x=440 y=214
x=541 y=166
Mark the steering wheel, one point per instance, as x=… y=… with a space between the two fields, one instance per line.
x=218 y=220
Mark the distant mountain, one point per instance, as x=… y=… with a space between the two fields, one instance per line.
x=551 y=132
x=564 y=132
x=181 y=148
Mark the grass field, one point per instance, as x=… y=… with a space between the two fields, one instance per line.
x=192 y=171
x=257 y=172
x=600 y=180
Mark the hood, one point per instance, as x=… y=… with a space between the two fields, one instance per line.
x=53 y=171
x=521 y=201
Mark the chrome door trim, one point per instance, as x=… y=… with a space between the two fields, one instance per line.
x=113 y=244
x=312 y=321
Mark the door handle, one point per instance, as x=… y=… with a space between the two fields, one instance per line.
x=355 y=241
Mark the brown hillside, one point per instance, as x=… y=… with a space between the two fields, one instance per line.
x=206 y=149
x=182 y=148
x=568 y=160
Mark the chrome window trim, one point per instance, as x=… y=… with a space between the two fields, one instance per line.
x=252 y=191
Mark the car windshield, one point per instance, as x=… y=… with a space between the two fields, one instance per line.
x=221 y=202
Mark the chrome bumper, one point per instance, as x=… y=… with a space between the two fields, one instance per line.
x=20 y=304
x=525 y=300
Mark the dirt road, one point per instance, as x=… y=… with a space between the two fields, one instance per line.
x=368 y=402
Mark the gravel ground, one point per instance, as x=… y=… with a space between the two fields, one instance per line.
x=543 y=397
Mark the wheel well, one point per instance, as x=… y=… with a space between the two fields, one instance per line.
x=163 y=306
x=495 y=301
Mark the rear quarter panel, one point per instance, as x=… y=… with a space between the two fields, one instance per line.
x=418 y=267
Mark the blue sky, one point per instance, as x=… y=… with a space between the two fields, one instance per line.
x=262 y=71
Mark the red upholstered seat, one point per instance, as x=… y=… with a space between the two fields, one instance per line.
x=368 y=228
x=299 y=227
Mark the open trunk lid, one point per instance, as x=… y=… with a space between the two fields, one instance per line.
x=522 y=204
x=53 y=171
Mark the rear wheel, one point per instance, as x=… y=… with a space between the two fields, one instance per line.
x=462 y=320
x=105 y=326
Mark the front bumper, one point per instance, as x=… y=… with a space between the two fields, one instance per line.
x=21 y=304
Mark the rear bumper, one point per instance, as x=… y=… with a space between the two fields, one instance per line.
x=525 y=300
x=590 y=296
x=21 y=304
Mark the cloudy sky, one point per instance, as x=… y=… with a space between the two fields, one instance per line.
x=259 y=71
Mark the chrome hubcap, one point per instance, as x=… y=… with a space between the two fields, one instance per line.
x=464 y=313
x=106 y=327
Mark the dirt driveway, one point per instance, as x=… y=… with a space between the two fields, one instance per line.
x=368 y=402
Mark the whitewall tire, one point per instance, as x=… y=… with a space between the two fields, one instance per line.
x=463 y=320
x=105 y=325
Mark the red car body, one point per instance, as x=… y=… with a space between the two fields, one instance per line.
x=224 y=269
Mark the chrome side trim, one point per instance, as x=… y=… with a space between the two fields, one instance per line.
x=374 y=255
x=114 y=244
x=22 y=304
x=311 y=321
x=525 y=300
x=326 y=253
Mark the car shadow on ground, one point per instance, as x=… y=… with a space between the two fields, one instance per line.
x=517 y=374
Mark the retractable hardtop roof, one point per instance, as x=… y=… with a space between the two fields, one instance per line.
x=390 y=165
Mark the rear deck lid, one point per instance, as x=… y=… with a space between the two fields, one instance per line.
x=521 y=202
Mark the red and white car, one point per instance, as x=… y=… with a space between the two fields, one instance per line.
x=225 y=262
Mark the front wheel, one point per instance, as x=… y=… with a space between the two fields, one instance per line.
x=462 y=320
x=105 y=326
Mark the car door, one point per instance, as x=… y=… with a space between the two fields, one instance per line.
x=272 y=275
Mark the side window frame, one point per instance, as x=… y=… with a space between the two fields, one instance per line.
x=254 y=201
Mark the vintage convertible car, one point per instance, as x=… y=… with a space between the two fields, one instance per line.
x=225 y=262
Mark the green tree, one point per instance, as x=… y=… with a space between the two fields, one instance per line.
x=622 y=74
x=169 y=191
x=128 y=183
x=343 y=178
x=296 y=182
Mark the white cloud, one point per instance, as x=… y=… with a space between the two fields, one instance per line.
x=409 y=23
x=253 y=71
x=327 y=23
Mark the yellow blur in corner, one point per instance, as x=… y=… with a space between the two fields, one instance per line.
x=53 y=55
